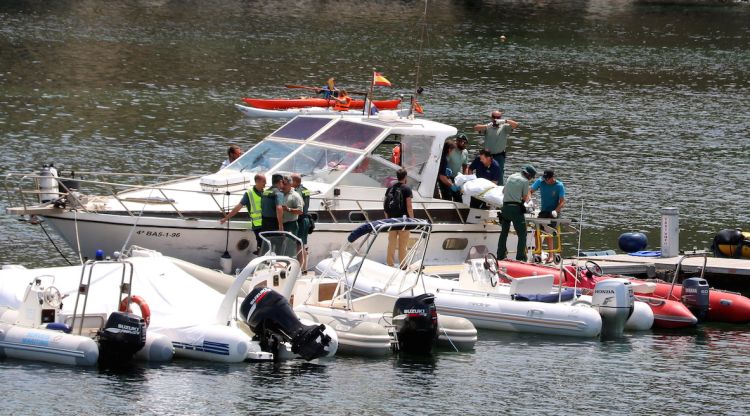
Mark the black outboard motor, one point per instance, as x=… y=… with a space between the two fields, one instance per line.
x=415 y=319
x=122 y=336
x=695 y=293
x=270 y=316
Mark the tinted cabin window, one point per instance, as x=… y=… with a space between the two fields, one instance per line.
x=301 y=128
x=346 y=133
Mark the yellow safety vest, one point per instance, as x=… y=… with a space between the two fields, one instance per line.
x=253 y=208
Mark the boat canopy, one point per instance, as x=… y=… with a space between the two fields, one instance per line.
x=332 y=150
x=386 y=225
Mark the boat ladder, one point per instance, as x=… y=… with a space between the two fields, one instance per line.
x=126 y=282
x=394 y=336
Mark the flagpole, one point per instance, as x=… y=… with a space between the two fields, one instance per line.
x=372 y=88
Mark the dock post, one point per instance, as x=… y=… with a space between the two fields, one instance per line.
x=670 y=232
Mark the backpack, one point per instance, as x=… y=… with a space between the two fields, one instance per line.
x=393 y=204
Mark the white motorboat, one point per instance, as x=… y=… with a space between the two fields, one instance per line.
x=181 y=307
x=303 y=111
x=477 y=295
x=345 y=162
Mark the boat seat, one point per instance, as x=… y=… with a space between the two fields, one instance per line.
x=643 y=287
x=532 y=285
x=374 y=303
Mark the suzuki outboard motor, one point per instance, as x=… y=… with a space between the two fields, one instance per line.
x=614 y=300
x=695 y=293
x=270 y=316
x=415 y=319
x=122 y=336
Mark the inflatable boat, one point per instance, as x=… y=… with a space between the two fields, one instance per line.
x=665 y=298
x=35 y=328
x=477 y=295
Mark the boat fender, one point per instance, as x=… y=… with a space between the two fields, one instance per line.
x=145 y=310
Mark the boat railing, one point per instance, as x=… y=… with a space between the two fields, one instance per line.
x=678 y=268
x=126 y=283
x=20 y=187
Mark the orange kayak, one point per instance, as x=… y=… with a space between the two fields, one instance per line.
x=284 y=103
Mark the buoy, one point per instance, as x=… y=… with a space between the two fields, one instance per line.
x=732 y=243
x=632 y=242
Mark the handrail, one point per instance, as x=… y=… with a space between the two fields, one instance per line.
x=17 y=187
x=679 y=266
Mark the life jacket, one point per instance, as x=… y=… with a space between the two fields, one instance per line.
x=254 y=208
x=339 y=106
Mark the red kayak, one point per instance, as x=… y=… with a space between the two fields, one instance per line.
x=668 y=313
x=284 y=103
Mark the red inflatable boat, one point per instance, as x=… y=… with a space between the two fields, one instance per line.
x=667 y=313
x=284 y=103
x=723 y=306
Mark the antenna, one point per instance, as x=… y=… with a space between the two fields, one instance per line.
x=422 y=35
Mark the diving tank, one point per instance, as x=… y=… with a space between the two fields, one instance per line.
x=614 y=300
x=47 y=184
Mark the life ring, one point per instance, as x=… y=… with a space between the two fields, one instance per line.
x=145 y=310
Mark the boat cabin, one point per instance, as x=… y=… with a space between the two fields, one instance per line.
x=333 y=151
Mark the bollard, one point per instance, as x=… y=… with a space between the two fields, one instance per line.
x=670 y=232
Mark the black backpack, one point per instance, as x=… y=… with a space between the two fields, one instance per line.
x=393 y=205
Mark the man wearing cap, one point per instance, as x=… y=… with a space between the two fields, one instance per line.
x=552 y=194
x=496 y=137
x=515 y=193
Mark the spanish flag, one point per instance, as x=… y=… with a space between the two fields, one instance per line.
x=379 y=79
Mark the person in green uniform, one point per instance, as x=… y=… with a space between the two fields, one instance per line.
x=515 y=193
x=251 y=199
x=271 y=204
x=496 y=138
x=292 y=209
x=304 y=221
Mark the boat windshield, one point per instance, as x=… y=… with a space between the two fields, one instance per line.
x=263 y=156
x=301 y=128
x=349 y=134
x=321 y=164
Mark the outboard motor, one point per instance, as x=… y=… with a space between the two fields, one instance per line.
x=614 y=300
x=695 y=293
x=415 y=319
x=122 y=336
x=270 y=316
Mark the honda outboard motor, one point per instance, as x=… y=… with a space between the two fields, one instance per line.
x=122 y=336
x=415 y=319
x=695 y=293
x=614 y=300
x=270 y=316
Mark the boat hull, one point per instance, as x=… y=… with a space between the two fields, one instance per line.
x=307 y=111
x=45 y=345
x=203 y=242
